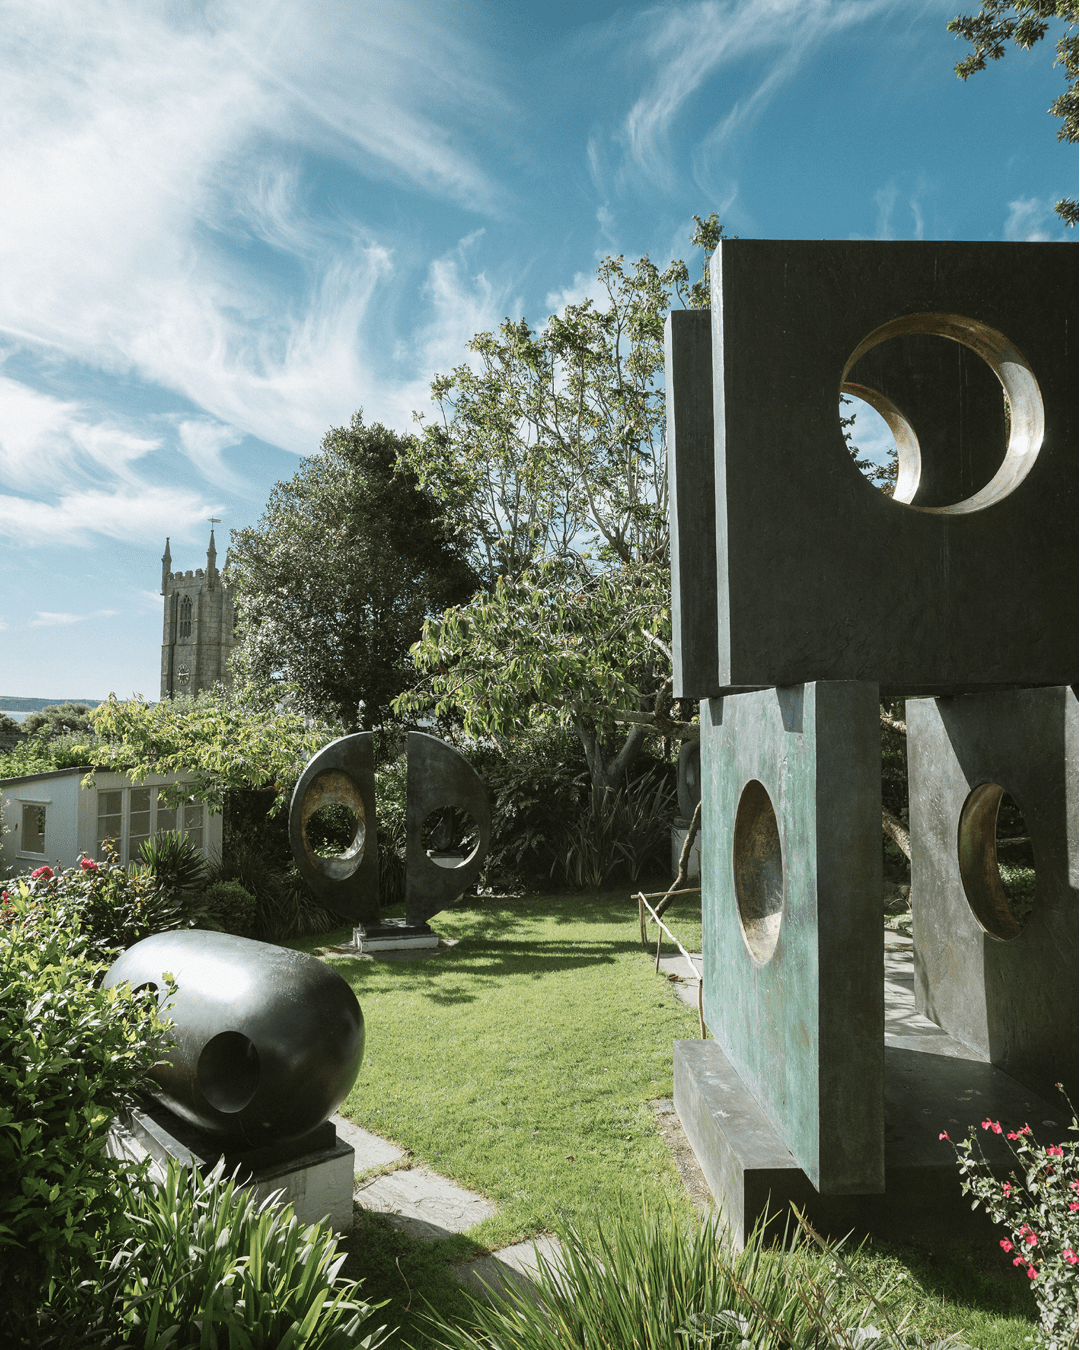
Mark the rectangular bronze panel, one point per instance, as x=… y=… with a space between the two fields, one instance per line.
x=794 y=996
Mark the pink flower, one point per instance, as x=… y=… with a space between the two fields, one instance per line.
x=1006 y=1189
x=45 y=872
x=944 y=1135
x=1074 y=1185
x=1074 y=1205
x=991 y=1125
x=1070 y=1256
x=1006 y=1245
x=1054 y=1152
x=1019 y=1261
x=88 y=864
x=1015 y=1134
x=1032 y=1273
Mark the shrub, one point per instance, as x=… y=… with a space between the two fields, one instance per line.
x=174 y=862
x=1038 y=1206
x=111 y=907
x=284 y=904
x=230 y=907
x=625 y=831
x=206 y=1255
x=652 y=1282
x=71 y=1055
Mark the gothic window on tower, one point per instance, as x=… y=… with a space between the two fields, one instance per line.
x=185 y=617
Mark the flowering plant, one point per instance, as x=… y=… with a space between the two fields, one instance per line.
x=1038 y=1206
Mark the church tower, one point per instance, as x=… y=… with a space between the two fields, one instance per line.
x=197 y=637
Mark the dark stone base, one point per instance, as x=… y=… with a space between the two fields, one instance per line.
x=753 y=1175
x=164 y=1135
x=394 y=928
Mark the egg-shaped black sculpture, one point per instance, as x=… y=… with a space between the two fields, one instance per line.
x=268 y=1041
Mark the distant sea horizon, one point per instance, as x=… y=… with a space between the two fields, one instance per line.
x=19 y=709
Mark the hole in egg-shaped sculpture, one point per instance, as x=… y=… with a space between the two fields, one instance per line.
x=268 y=1041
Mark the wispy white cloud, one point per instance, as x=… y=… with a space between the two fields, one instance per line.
x=204 y=441
x=148 y=149
x=1030 y=219
x=138 y=514
x=687 y=44
x=45 y=619
x=45 y=440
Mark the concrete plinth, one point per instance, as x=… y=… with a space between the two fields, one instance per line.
x=314 y=1175
x=752 y=1174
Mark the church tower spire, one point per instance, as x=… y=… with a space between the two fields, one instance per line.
x=211 y=554
x=166 y=565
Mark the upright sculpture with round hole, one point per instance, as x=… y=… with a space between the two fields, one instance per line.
x=802 y=595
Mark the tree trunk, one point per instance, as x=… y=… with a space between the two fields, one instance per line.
x=896 y=831
x=607 y=770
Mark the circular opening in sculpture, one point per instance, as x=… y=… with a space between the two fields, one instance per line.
x=759 y=871
x=997 y=863
x=334 y=830
x=228 y=1071
x=451 y=836
x=333 y=824
x=988 y=458
x=874 y=428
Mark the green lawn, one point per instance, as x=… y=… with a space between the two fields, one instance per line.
x=522 y=1063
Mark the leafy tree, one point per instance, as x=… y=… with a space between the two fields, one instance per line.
x=1025 y=22
x=549 y=454
x=58 y=720
x=224 y=740
x=333 y=585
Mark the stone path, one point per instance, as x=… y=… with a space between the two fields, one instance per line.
x=425 y=1205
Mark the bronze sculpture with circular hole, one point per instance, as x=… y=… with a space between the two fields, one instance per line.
x=976 y=848
x=758 y=864
x=268 y=1041
x=342 y=774
x=440 y=776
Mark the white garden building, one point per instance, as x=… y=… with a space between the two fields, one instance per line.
x=51 y=818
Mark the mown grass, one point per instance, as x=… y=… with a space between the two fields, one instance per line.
x=522 y=1063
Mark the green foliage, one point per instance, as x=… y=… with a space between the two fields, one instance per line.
x=43 y=754
x=390 y=797
x=223 y=741
x=72 y=1054
x=649 y=1281
x=622 y=832
x=231 y=908
x=284 y=905
x=1038 y=1207
x=111 y=907
x=1025 y=22
x=58 y=720
x=175 y=863
x=334 y=583
x=209 y=1265
x=538 y=785
x=549 y=454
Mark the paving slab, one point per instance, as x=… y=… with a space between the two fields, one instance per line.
x=371 y=1149
x=423 y=1204
x=683 y=977
x=509 y=1268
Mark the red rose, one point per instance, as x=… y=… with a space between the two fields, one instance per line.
x=88 y=864
x=45 y=872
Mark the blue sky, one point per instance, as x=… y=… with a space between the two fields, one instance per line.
x=227 y=226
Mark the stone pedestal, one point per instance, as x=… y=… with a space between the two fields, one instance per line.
x=753 y=1175
x=314 y=1174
